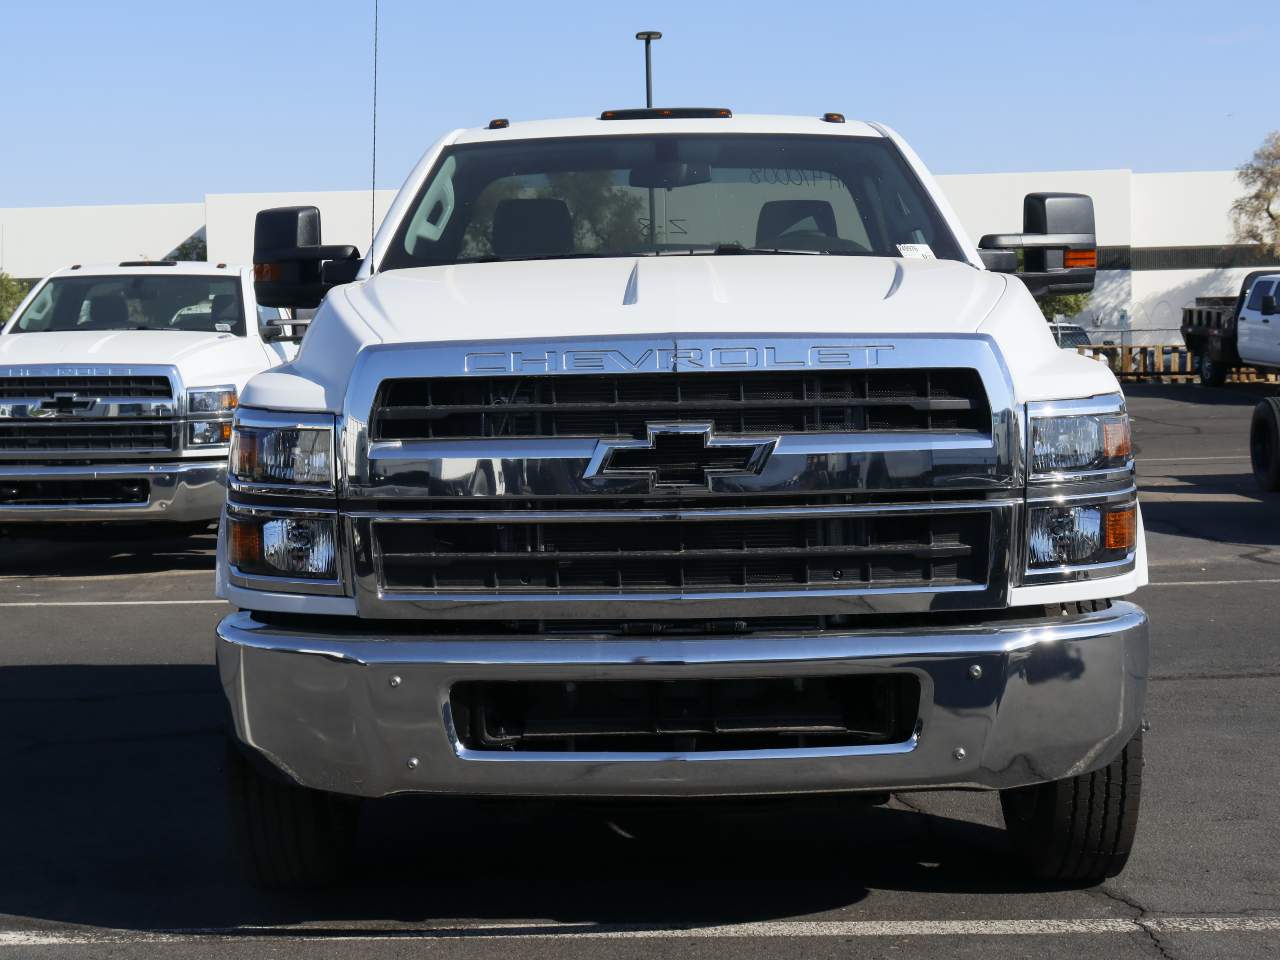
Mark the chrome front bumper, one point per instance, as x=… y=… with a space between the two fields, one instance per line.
x=180 y=491
x=1002 y=705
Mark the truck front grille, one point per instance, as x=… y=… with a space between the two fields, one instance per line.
x=116 y=387
x=686 y=716
x=110 y=436
x=746 y=403
x=765 y=552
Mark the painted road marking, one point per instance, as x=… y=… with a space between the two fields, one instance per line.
x=108 y=603
x=566 y=931
x=1206 y=583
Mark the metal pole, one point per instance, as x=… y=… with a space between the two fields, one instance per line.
x=648 y=36
x=648 y=74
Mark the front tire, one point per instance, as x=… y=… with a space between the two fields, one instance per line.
x=1264 y=443
x=1081 y=829
x=290 y=837
x=1213 y=373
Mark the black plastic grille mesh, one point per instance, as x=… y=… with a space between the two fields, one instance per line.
x=744 y=403
x=925 y=550
x=46 y=388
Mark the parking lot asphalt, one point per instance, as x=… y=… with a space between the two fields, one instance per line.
x=114 y=841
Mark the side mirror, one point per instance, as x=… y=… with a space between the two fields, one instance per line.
x=290 y=266
x=1268 y=306
x=290 y=328
x=1058 y=244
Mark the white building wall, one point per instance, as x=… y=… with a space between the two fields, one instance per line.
x=344 y=218
x=992 y=202
x=1183 y=209
x=35 y=241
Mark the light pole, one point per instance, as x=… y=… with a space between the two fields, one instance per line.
x=648 y=36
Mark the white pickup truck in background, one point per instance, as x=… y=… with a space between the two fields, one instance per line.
x=117 y=388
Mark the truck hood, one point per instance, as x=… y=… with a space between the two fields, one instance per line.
x=675 y=295
x=203 y=359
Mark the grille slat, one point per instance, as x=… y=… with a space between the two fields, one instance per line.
x=114 y=387
x=812 y=401
x=919 y=550
x=146 y=435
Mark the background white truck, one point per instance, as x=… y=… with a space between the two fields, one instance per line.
x=674 y=453
x=117 y=387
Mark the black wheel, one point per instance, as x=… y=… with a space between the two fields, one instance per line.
x=1213 y=373
x=1080 y=829
x=1264 y=443
x=289 y=837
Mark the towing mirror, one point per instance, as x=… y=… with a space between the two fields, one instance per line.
x=1268 y=306
x=1058 y=247
x=288 y=329
x=291 y=268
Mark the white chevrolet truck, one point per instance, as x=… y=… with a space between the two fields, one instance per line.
x=117 y=386
x=673 y=453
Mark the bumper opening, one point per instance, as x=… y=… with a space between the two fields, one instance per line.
x=686 y=716
x=121 y=490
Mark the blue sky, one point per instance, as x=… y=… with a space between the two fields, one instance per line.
x=139 y=101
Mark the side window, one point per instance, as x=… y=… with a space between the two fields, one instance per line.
x=40 y=312
x=1260 y=289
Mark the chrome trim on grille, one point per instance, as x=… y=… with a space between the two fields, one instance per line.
x=379 y=481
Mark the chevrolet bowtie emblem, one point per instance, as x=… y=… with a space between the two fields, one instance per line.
x=675 y=455
x=63 y=404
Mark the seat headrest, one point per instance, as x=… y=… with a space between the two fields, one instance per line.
x=779 y=216
x=107 y=310
x=221 y=304
x=533 y=227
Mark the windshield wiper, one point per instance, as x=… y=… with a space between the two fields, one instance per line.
x=543 y=256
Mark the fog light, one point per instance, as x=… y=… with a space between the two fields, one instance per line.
x=207 y=432
x=283 y=547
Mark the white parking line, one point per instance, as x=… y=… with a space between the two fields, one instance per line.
x=1206 y=583
x=568 y=931
x=108 y=603
x=1142 y=460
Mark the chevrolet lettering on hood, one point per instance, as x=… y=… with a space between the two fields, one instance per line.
x=677 y=358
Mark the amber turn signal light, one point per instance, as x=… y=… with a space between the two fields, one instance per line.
x=1116 y=441
x=1074 y=259
x=244 y=542
x=1120 y=529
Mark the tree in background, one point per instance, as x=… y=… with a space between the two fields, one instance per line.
x=1257 y=214
x=11 y=293
x=1067 y=304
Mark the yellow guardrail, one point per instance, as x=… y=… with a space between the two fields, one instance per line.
x=1166 y=362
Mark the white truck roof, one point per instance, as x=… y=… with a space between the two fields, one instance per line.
x=131 y=267
x=594 y=126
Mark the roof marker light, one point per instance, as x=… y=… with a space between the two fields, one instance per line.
x=499 y=123
x=668 y=113
x=833 y=117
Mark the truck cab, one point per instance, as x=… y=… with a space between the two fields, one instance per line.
x=117 y=388
x=675 y=453
x=1258 y=324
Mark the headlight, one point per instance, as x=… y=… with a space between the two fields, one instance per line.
x=283 y=546
x=1071 y=536
x=295 y=453
x=203 y=433
x=212 y=400
x=1081 y=442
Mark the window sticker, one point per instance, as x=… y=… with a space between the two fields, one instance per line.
x=916 y=251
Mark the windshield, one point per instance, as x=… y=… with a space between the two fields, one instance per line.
x=683 y=194
x=135 y=302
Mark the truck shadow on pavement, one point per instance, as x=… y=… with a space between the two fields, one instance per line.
x=1219 y=507
x=113 y=816
x=76 y=550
